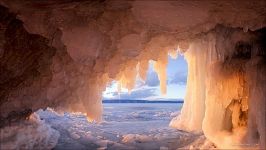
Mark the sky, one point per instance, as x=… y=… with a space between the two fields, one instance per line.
x=150 y=89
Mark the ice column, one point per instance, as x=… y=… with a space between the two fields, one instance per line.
x=192 y=113
x=256 y=70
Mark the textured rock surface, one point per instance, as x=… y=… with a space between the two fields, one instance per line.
x=62 y=53
x=24 y=66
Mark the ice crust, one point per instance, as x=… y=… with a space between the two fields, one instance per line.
x=125 y=126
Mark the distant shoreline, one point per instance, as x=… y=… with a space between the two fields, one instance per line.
x=140 y=101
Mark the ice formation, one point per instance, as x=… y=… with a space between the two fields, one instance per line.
x=218 y=99
x=62 y=54
x=127 y=128
x=193 y=108
x=29 y=134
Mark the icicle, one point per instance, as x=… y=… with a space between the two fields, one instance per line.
x=160 y=67
x=173 y=53
x=119 y=87
x=143 y=68
x=127 y=77
x=183 y=46
x=245 y=28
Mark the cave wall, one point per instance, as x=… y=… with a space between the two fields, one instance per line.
x=62 y=54
x=24 y=66
x=228 y=88
x=220 y=100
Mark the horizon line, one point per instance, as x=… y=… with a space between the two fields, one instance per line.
x=141 y=101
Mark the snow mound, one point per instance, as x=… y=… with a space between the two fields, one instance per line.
x=200 y=143
x=136 y=138
x=29 y=134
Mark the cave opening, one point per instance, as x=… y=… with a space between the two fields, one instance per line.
x=136 y=119
x=145 y=108
x=148 y=85
x=60 y=55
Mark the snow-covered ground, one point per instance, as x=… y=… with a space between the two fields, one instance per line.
x=124 y=126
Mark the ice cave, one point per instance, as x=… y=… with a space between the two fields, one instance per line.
x=61 y=55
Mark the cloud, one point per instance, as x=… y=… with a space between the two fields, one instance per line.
x=179 y=78
x=150 y=89
x=140 y=93
x=152 y=79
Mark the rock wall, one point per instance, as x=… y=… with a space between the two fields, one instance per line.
x=24 y=66
x=62 y=54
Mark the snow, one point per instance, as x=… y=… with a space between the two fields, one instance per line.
x=93 y=43
x=29 y=134
x=124 y=126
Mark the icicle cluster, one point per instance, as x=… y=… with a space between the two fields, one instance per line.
x=225 y=95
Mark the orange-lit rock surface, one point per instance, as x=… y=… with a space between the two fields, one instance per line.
x=61 y=54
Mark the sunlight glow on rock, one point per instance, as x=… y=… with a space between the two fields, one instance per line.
x=63 y=54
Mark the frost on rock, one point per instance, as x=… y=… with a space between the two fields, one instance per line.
x=29 y=134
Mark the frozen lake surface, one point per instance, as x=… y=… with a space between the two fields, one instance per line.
x=124 y=126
